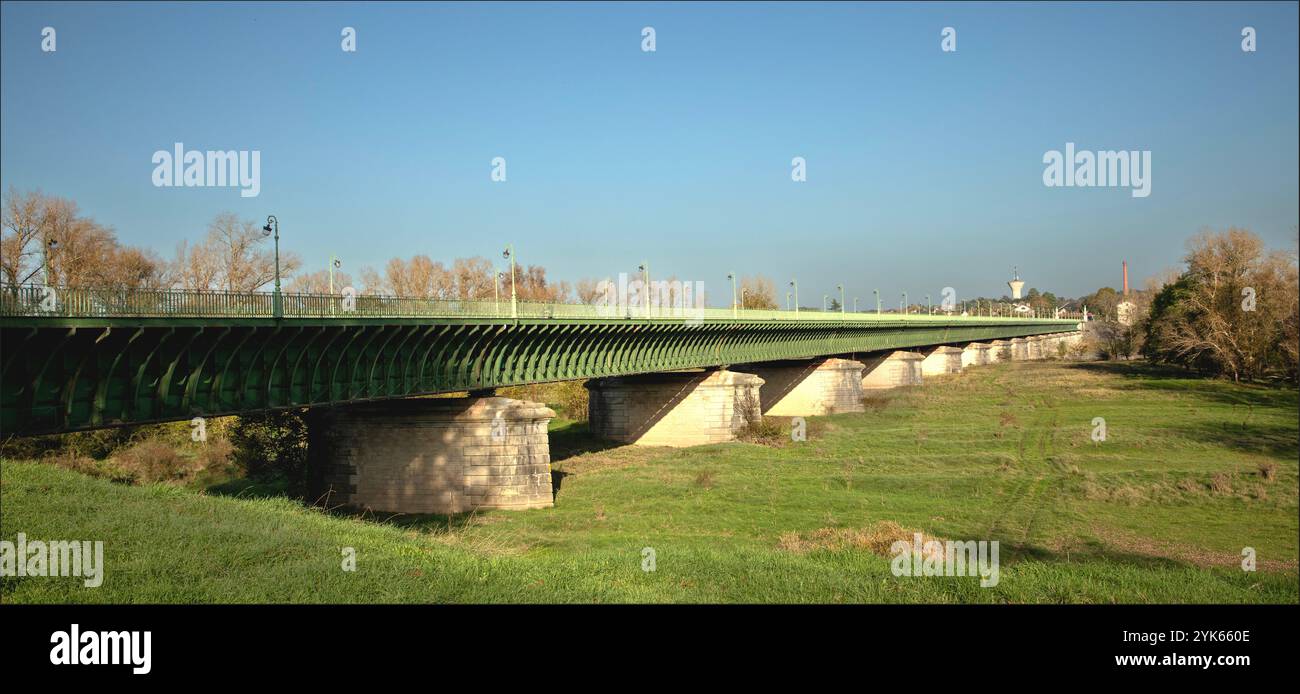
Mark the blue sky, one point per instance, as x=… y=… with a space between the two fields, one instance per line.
x=924 y=167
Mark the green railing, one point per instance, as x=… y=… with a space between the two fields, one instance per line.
x=40 y=301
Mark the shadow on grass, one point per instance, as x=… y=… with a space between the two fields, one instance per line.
x=246 y=488
x=572 y=439
x=1147 y=376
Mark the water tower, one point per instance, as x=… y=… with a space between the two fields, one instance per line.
x=1016 y=283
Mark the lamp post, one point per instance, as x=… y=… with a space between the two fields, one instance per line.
x=841 y=288
x=824 y=298
x=644 y=269
x=795 y=283
x=877 y=293
x=45 y=257
x=497 y=276
x=732 y=276
x=277 y=302
x=928 y=309
x=855 y=304
x=787 y=301
x=509 y=254
x=903 y=305
x=334 y=263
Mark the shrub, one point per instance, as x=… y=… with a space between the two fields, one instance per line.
x=153 y=460
x=272 y=445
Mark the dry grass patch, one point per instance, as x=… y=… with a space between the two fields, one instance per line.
x=1131 y=543
x=876 y=539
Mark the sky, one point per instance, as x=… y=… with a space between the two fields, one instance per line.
x=924 y=167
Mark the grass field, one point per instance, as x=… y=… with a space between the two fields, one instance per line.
x=1191 y=472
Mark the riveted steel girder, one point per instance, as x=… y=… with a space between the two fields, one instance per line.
x=67 y=374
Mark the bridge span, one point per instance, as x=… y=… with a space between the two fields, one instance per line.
x=75 y=359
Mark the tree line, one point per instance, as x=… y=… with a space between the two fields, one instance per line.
x=1233 y=310
x=234 y=254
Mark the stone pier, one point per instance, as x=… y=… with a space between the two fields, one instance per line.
x=1034 y=347
x=680 y=408
x=891 y=370
x=1019 y=349
x=1049 y=346
x=808 y=388
x=941 y=359
x=432 y=455
x=999 y=351
x=975 y=354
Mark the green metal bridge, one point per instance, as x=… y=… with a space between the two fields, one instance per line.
x=76 y=359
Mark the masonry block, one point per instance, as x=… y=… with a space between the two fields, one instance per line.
x=680 y=408
x=891 y=370
x=941 y=359
x=432 y=455
x=808 y=388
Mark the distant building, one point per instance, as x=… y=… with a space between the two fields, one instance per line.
x=1016 y=283
x=1125 y=311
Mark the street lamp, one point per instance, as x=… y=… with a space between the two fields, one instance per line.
x=743 y=292
x=497 y=276
x=509 y=254
x=877 y=293
x=928 y=309
x=732 y=276
x=903 y=306
x=644 y=269
x=277 y=302
x=841 y=288
x=855 y=304
x=334 y=264
x=787 y=301
x=795 y=283
x=824 y=298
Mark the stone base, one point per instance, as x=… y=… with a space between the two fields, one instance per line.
x=1019 y=349
x=941 y=360
x=1034 y=347
x=432 y=455
x=1049 y=348
x=808 y=388
x=975 y=354
x=999 y=351
x=684 y=408
x=891 y=370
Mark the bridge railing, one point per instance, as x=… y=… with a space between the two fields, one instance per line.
x=84 y=302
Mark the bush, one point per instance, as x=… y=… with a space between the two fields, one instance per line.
x=272 y=445
x=153 y=461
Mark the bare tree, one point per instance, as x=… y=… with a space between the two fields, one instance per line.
x=757 y=292
x=20 y=245
x=318 y=282
x=1234 y=310
x=473 y=278
x=589 y=291
x=234 y=256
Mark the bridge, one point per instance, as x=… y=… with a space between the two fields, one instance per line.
x=76 y=359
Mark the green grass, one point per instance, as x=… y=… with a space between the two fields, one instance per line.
x=1159 y=512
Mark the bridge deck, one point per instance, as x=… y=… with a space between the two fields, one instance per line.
x=83 y=359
